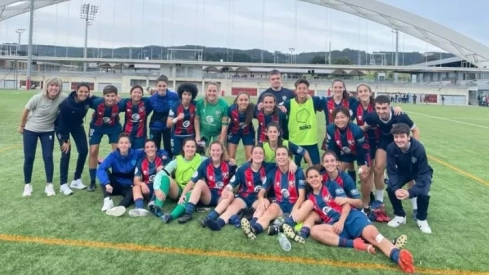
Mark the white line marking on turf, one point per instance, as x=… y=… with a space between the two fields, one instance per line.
x=447 y=119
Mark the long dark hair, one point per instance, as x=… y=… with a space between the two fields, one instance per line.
x=372 y=98
x=250 y=110
x=346 y=95
x=276 y=110
x=280 y=140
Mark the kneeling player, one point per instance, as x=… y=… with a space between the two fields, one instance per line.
x=289 y=191
x=344 y=226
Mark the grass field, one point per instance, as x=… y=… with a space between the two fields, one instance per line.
x=70 y=235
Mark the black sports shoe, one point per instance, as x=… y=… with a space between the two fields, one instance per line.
x=203 y=221
x=91 y=187
x=166 y=218
x=249 y=213
x=273 y=230
x=185 y=218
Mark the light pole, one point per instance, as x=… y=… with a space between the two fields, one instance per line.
x=87 y=13
x=291 y=55
x=19 y=32
x=396 y=61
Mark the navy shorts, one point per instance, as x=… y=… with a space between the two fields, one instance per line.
x=215 y=196
x=284 y=206
x=248 y=200
x=384 y=142
x=177 y=143
x=248 y=139
x=354 y=225
x=373 y=148
x=347 y=158
x=95 y=134
x=137 y=142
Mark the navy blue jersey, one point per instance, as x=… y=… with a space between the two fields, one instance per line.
x=330 y=105
x=264 y=119
x=373 y=119
x=324 y=205
x=147 y=170
x=344 y=181
x=184 y=127
x=286 y=186
x=373 y=133
x=105 y=116
x=135 y=118
x=409 y=165
x=215 y=177
x=349 y=141
x=71 y=115
x=161 y=107
x=237 y=122
x=280 y=96
x=249 y=181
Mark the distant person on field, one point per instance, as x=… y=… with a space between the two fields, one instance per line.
x=37 y=122
x=414 y=98
x=281 y=94
x=407 y=163
x=442 y=100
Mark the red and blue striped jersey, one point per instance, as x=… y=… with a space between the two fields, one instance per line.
x=350 y=104
x=237 y=122
x=324 y=205
x=106 y=116
x=147 y=169
x=135 y=118
x=349 y=141
x=249 y=181
x=264 y=120
x=285 y=186
x=344 y=181
x=184 y=127
x=215 y=177
x=374 y=133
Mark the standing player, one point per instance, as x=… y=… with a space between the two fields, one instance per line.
x=160 y=102
x=383 y=118
x=37 y=122
x=181 y=117
x=211 y=117
x=72 y=113
x=137 y=109
x=302 y=120
x=347 y=140
x=241 y=125
x=407 y=162
x=269 y=113
x=340 y=97
x=281 y=94
x=105 y=121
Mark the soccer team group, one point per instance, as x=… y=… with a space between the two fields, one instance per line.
x=190 y=158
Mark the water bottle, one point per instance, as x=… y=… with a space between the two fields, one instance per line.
x=284 y=242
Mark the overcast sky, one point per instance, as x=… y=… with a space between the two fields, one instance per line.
x=239 y=24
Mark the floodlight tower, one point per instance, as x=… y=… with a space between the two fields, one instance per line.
x=19 y=32
x=292 y=55
x=87 y=13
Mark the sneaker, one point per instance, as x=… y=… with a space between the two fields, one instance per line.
x=424 y=227
x=27 y=190
x=396 y=221
x=166 y=218
x=203 y=221
x=360 y=245
x=138 y=212
x=400 y=242
x=77 y=184
x=273 y=230
x=406 y=261
x=291 y=234
x=92 y=187
x=108 y=204
x=49 y=190
x=116 y=211
x=415 y=213
x=247 y=230
x=185 y=218
x=65 y=189
x=155 y=209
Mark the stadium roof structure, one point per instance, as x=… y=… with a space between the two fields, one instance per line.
x=11 y=8
x=438 y=35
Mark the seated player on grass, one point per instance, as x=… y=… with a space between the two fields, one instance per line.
x=275 y=140
x=145 y=172
x=407 y=163
x=383 y=118
x=183 y=167
x=344 y=226
x=116 y=175
x=208 y=181
x=289 y=192
x=347 y=141
x=181 y=117
x=269 y=113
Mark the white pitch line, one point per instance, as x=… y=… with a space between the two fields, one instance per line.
x=451 y=120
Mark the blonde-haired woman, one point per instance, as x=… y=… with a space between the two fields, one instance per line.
x=37 y=122
x=211 y=117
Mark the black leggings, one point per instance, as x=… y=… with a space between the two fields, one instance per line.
x=157 y=136
x=119 y=190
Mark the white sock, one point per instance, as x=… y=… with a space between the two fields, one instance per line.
x=414 y=202
x=379 y=195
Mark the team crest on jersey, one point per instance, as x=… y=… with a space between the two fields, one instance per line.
x=106 y=120
x=326 y=210
x=186 y=123
x=209 y=119
x=220 y=184
x=135 y=117
x=413 y=159
x=284 y=98
x=285 y=193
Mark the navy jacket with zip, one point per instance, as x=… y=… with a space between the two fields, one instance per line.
x=71 y=115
